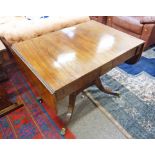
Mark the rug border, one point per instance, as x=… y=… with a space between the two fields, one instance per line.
x=108 y=115
x=51 y=114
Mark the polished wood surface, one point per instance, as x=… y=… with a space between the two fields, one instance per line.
x=43 y=93
x=64 y=58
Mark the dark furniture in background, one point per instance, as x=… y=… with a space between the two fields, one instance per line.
x=101 y=19
x=6 y=106
x=142 y=27
x=3 y=75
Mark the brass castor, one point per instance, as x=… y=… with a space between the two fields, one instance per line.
x=63 y=131
x=39 y=99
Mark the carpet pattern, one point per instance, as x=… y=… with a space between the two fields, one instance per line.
x=34 y=120
x=135 y=109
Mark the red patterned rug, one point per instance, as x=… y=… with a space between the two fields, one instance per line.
x=34 y=120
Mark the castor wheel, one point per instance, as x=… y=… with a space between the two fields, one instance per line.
x=39 y=99
x=63 y=131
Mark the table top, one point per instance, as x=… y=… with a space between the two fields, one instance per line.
x=60 y=57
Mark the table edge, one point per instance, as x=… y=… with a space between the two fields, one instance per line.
x=52 y=91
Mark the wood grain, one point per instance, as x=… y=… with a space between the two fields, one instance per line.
x=36 y=84
x=70 y=59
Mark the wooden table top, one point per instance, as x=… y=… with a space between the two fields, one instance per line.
x=60 y=57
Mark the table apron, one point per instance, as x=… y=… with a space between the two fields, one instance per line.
x=88 y=79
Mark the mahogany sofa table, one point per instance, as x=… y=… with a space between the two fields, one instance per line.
x=66 y=62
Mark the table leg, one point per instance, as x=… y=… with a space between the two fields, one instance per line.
x=72 y=99
x=99 y=85
x=136 y=58
x=69 y=114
